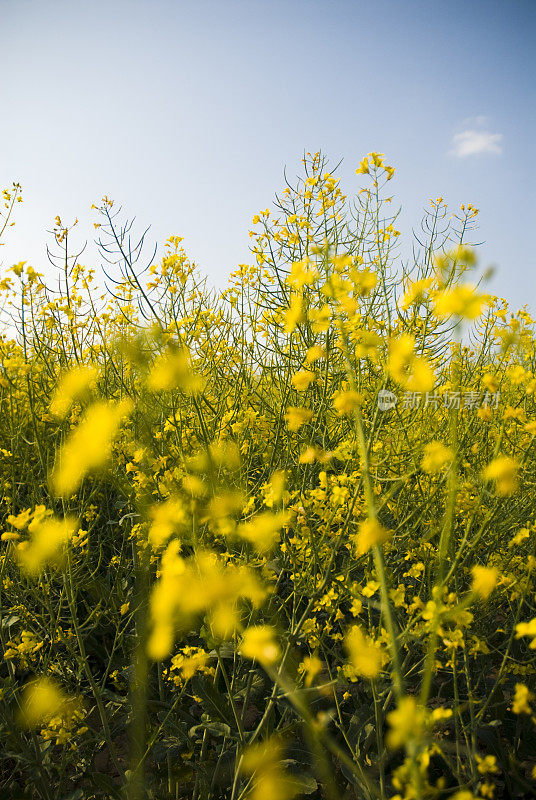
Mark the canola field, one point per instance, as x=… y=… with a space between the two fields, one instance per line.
x=274 y=541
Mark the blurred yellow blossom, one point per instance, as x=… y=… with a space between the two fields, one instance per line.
x=89 y=446
x=347 y=402
x=462 y=301
x=48 y=538
x=263 y=530
x=265 y=763
x=411 y=371
x=436 y=456
x=173 y=370
x=503 y=470
x=294 y=314
x=302 y=379
x=407 y=723
x=522 y=699
x=311 y=666
x=365 y=657
x=527 y=629
x=42 y=699
x=74 y=385
x=314 y=353
x=259 y=643
x=166 y=519
x=370 y=534
x=484 y=580
x=296 y=417
x=415 y=292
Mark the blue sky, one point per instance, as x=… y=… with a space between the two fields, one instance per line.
x=187 y=112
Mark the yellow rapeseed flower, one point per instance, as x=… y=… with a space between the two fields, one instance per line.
x=89 y=446
x=364 y=281
x=436 y=456
x=484 y=580
x=490 y=382
x=194 y=661
x=302 y=379
x=161 y=641
x=172 y=371
x=198 y=585
x=300 y=275
x=363 y=168
x=347 y=402
x=421 y=377
x=311 y=666
x=10 y=536
x=314 y=353
x=320 y=318
x=293 y=315
x=527 y=629
x=259 y=643
x=264 y=762
x=407 y=723
x=21 y=520
x=367 y=344
x=519 y=537
x=415 y=292
x=366 y=659
x=48 y=538
x=42 y=699
x=296 y=417
x=274 y=490
x=462 y=301
x=411 y=371
x=487 y=764
x=73 y=386
x=370 y=534
x=400 y=355
x=263 y=530
x=522 y=699
x=166 y=519
x=503 y=470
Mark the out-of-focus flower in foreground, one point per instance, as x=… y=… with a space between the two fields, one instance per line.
x=74 y=385
x=89 y=446
x=41 y=700
x=259 y=643
x=48 y=538
x=503 y=470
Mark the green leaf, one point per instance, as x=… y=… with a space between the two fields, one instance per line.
x=213 y=728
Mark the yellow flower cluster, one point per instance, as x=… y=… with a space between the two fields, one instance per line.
x=202 y=584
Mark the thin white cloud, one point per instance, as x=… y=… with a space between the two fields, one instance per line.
x=472 y=143
x=480 y=121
